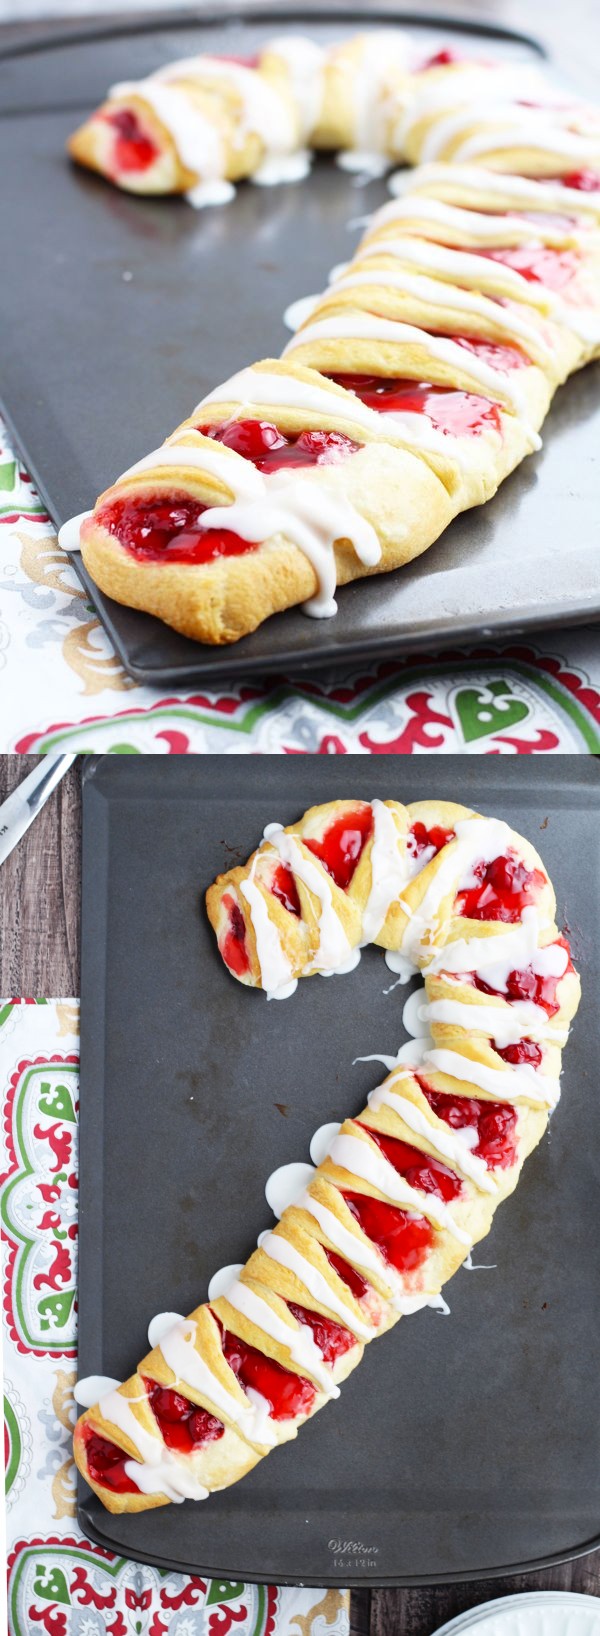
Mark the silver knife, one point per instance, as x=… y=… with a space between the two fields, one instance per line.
x=24 y=803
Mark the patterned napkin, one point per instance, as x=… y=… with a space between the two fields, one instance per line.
x=60 y=1584
x=63 y=686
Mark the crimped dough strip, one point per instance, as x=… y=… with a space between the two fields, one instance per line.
x=393 y=901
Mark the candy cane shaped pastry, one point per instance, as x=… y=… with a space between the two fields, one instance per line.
x=415 y=383
x=409 y=1185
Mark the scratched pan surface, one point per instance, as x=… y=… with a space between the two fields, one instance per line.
x=460 y=1447
x=98 y=368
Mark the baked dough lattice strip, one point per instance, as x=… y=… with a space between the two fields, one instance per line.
x=412 y=1183
x=416 y=383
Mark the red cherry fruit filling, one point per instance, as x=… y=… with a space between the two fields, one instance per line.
x=585 y=181
x=455 y=412
x=504 y=889
x=354 y=1280
x=495 y=353
x=418 y=1169
x=269 y=450
x=541 y=265
x=333 y=1340
x=183 y=1425
x=402 y=1238
x=170 y=530
x=343 y=843
x=495 y=1123
x=287 y=1394
x=233 y=945
x=106 y=1464
x=522 y=1051
x=283 y=887
x=421 y=838
x=134 y=149
x=529 y=985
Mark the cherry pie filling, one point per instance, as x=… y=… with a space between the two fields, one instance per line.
x=169 y=530
x=288 y=1395
x=538 y=263
x=495 y=1123
x=419 y=1169
x=538 y=987
x=341 y=846
x=332 y=1339
x=232 y=944
x=271 y=450
x=183 y=1425
x=505 y=887
x=456 y=412
x=402 y=1238
x=283 y=887
x=106 y=1463
x=134 y=150
x=421 y=839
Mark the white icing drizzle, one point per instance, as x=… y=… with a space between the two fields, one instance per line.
x=388 y=870
x=460 y=265
x=334 y=948
x=190 y=1369
x=240 y=476
x=511 y=1084
x=298 y=311
x=504 y=1024
x=259 y=387
x=414 y=1015
x=172 y=1476
x=279 y=1249
x=364 y=1160
x=90 y=1388
x=493 y=958
x=222 y=1278
x=265 y=111
x=278 y=168
x=304 y=61
x=362 y=162
x=159 y=1325
x=477 y=840
x=69 y=534
x=284 y=1185
x=528 y=192
x=275 y=969
x=313 y=517
x=299 y=1339
x=466 y=82
x=567 y=144
x=321 y=1140
x=419 y=209
x=442 y=349
x=448 y=1144
x=399 y=963
x=116 y=1409
x=380 y=52
x=469 y=302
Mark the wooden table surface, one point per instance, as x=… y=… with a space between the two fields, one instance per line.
x=39 y=955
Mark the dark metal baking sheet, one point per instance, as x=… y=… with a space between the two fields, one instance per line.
x=459 y=1448
x=97 y=368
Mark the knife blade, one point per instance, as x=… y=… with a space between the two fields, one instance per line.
x=24 y=803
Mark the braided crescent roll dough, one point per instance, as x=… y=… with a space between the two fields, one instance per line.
x=500 y=992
